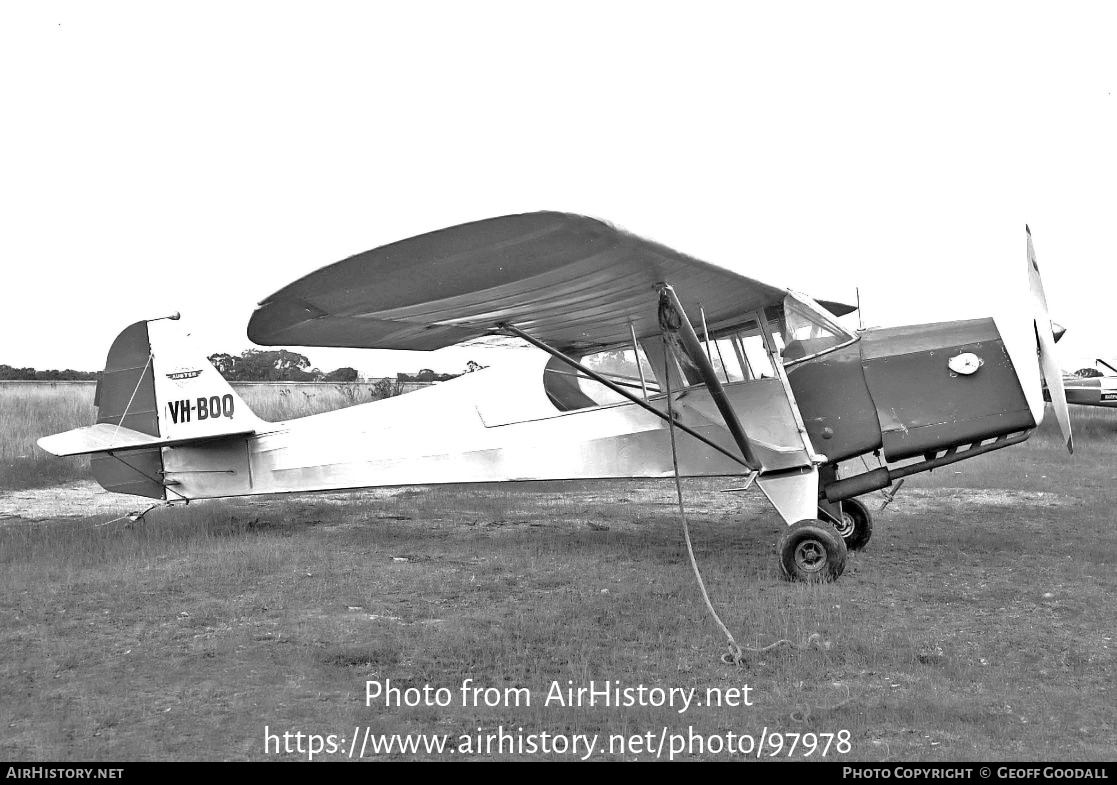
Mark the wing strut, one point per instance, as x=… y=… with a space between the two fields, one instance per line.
x=672 y=320
x=623 y=392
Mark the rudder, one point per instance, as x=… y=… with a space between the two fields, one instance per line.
x=125 y=398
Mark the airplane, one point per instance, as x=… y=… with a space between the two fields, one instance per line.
x=1100 y=390
x=653 y=364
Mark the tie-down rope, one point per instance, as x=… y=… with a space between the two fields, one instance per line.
x=736 y=653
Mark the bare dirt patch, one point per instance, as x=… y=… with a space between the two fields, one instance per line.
x=88 y=500
x=74 y=500
x=915 y=500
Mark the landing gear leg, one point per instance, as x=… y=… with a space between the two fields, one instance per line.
x=852 y=519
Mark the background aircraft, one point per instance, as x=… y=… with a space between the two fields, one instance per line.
x=1099 y=390
x=654 y=364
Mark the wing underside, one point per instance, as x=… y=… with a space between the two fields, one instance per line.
x=569 y=280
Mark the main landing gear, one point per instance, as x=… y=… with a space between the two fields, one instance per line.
x=854 y=522
x=816 y=550
x=812 y=551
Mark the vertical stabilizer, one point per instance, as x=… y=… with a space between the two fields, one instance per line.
x=194 y=400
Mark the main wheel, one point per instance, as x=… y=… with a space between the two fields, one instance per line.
x=855 y=524
x=812 y=551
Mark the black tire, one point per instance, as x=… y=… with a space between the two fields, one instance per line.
x=812 y=551
x=855 y=524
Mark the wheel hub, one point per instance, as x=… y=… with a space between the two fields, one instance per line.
x=845 y=525
x=810 y=556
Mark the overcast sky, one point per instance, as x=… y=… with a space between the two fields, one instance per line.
x=199 y=156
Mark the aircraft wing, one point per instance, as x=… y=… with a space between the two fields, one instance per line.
x=569 y=280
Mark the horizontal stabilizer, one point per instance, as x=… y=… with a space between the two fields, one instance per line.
x=104 y=437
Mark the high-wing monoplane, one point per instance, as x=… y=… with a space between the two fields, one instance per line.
x=640 y=345
x=1094 y=390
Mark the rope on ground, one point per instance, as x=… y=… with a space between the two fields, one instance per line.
x=132 y=517
x=814 y=641
x=803 y=712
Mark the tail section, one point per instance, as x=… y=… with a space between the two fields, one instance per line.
x=156 y=392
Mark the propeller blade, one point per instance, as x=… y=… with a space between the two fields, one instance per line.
x=1045 y=336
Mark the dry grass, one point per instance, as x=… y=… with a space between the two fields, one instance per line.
x=30 y=411
x=274 y=402
x=977 y=625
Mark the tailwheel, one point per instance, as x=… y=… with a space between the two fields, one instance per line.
x=855 y=524
x=812 y=551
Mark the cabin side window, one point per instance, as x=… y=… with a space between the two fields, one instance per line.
x=570 y=389
x=728 y=361
x=756 y=354
x=737 y=355
x=742 y=355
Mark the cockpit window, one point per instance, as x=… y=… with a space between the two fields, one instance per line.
x=810 y=329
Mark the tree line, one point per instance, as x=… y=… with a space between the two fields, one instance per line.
x=8 y=373
x=281 y=365
x=251 y=365
x=278 y=365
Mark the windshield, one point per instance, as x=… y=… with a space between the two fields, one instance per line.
x=811 y=329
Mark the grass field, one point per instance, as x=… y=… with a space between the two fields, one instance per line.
x=29 y=411
x=978 y=624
